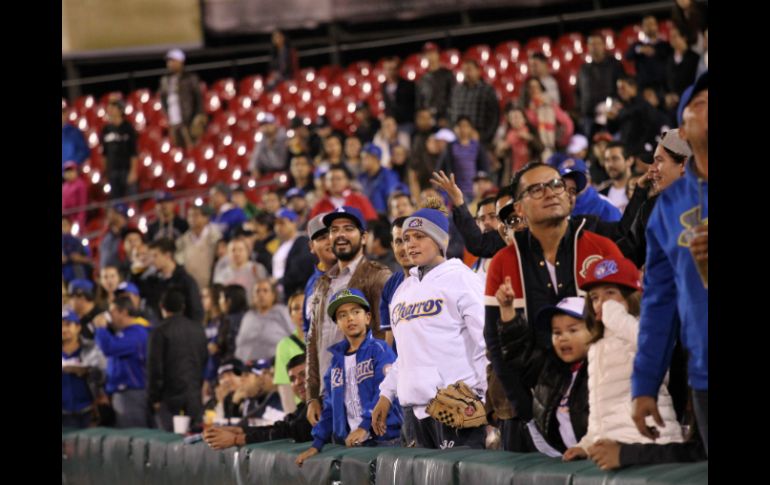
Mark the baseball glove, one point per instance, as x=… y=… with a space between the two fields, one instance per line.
x=457 y=406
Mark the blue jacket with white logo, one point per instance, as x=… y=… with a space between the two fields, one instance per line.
x=673 y=288
x=373 y=358
x=126 y=353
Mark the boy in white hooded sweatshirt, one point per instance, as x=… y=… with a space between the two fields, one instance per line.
x=612 y=316
x=437 y=317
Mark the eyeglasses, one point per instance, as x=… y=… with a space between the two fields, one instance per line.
x=537 y=191
x=512 y=221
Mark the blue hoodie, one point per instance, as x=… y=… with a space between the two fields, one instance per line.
x=379 y=187
x=73 y=145
x=590 y=202
x=673 y=288
x=126 y=353
x=373 y=358
x=229 y=220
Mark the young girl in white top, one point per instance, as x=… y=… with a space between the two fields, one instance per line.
x=612 y=316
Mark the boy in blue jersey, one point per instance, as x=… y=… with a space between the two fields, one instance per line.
x=359 y=364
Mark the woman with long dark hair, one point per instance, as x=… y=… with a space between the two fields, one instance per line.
x=234 y=305
x=212 y=322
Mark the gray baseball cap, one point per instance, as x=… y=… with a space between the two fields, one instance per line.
x=672 y=141
x=316 y=226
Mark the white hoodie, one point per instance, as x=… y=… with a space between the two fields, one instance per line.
x=610 y=363
x=438 y=324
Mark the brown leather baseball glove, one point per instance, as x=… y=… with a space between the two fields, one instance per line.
x=457 y=406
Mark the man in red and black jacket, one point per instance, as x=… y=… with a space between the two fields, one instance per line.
x=545 y=263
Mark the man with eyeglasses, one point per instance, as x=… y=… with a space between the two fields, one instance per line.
x=347 y=232
x=545 y=263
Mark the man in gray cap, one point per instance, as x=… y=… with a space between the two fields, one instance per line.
x=180 y=96
x=321 y=248
x=667 y=166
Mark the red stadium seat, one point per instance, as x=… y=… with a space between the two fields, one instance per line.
x=573 y=42
x=609 y=37
x=307 y=75
x=481 y=53
x=225 y=88
x=539 y=44
x=251 y=86
x=450 y=58
x=510 y=50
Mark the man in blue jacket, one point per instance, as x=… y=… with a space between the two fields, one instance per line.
x=73 y=143
x=676 y=276
x=126 y=351
x=359 y=364
x=588 y=200
x=377 y=182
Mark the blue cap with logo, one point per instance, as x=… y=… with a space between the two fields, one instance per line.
x=372 y=149
x=347 y=212
x=570 y=167
x=127 y=287
x=700 y=84
x=68 y=315
x=285 y=213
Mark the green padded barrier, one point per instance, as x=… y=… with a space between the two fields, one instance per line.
x=550 y=471
x=217 y=465
x=255 y=461
x=317 y=470
x=643 y=475
x=498 y=467
x=273 y=463
x=116 y=449
x=69 y=464
x=192 y=463
x=394 y=465
x=441 y=468
x=89 y=454
x=358 y=465
x=103 y=456
x=139 y=457
x=686 y=474
x=157 y=467
x=176 y=462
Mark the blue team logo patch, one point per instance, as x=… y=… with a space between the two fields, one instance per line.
x=415 y=223
x=605 y=269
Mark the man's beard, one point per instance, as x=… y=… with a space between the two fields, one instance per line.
x=347 y=255
x=617 y=176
